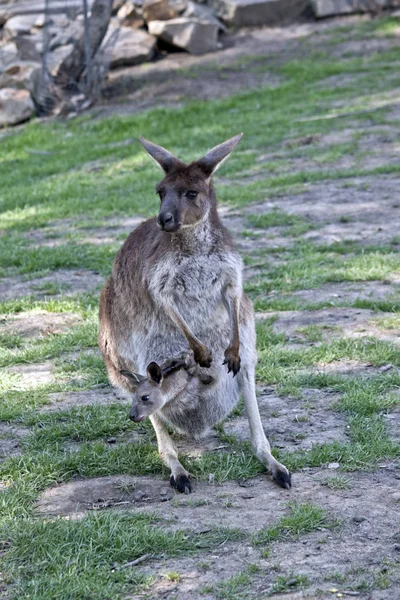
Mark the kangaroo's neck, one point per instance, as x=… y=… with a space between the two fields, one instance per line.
x=202 y=237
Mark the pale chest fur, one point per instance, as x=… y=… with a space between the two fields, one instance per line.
x=196 y=283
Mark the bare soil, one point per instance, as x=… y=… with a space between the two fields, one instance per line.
x=61 y=281
x=365 y=535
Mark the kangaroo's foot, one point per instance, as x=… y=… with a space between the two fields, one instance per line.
x=281 y=476
x=181 y=483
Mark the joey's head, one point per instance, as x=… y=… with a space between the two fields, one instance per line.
x=186 y=192
x=148 y=396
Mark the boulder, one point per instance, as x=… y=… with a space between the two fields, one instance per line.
x=21 y=24
x=202 y=12
x=162 y=10
x=30 y=47
x=64 y=32
x=192 y=35
x=329 y=8
x=8 y=54
x=57 y=57
x=16 y=106
x=130 y=14
x=31 y=7
x=259 y=12
x=126 y=46
x=21 y=75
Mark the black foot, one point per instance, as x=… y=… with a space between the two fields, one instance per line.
x=182 y=483
x=283 y=479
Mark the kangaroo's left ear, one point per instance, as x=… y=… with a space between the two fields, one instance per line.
x=215 y=157
x=155 y=373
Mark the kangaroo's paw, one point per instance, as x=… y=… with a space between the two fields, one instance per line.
x=232 y=359
x=202 y=356
x=181 y=483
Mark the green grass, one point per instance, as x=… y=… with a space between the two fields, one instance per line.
x=302 y=519
x=74 y=559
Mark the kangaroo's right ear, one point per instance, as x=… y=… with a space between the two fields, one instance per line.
x=155 y=373
x=134 y=377
x=163 y=158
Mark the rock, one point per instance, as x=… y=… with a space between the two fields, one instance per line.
x=130 y=14
x=21 y=75
x=8 y=54
x=30 y=47
x=32 y=7
x=16 y=106
x=21 y=24
x=192 y=35
x=258 y=12
x=334 y=465
x=128 y=46
x=63 y=31
x=162 y=10
x=56 y=58
x=203 y=13
x=328 y=8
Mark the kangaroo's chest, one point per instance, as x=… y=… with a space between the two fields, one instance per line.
x=199 y=281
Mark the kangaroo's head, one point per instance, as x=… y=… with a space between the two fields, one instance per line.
x=186 y=192
x=148 y=396
x=158 y=386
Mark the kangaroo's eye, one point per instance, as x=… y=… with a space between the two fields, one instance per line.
x=191 y=194
x=145 y=398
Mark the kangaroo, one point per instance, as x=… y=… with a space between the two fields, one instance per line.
x=177 y=280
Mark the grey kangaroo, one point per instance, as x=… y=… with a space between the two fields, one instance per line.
x=177 y=280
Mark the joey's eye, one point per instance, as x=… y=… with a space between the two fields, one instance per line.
x=191 y=194
x=145 y=398
x=160 y=195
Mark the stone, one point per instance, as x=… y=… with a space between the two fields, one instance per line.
x=128 y=46
x=203 y=13
x=258 y=12
x=30 y=47
x=16 y=106
x=32 y=7
x=21 y=75
x=21 y=24
x=64 y=32
x=329 y=8
x=56 y=58
x=192 y=35
x=130 y=15
x=8 y=54
x=162 y=10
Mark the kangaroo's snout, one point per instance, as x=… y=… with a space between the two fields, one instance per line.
x=134 y=415
x=167 y=222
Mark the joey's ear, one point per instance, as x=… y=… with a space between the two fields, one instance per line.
x=134 y=377
x=215 y=157
x=155 y=373
x=163 y=158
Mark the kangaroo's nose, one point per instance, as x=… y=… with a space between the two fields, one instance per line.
x=166 y=219
x=134 y=413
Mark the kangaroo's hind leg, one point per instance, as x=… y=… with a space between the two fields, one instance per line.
x=169 y=455
x=262 y=449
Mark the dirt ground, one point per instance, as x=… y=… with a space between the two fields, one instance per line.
x=364 y=544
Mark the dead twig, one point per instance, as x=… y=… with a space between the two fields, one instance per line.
x=133 y=563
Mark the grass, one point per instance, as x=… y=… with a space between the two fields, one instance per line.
x=302 y=519
x=90 y=179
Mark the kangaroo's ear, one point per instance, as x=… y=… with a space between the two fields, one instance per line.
x=163 y=158
x=155 y=373
x=134 y=377
x=215 y=157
